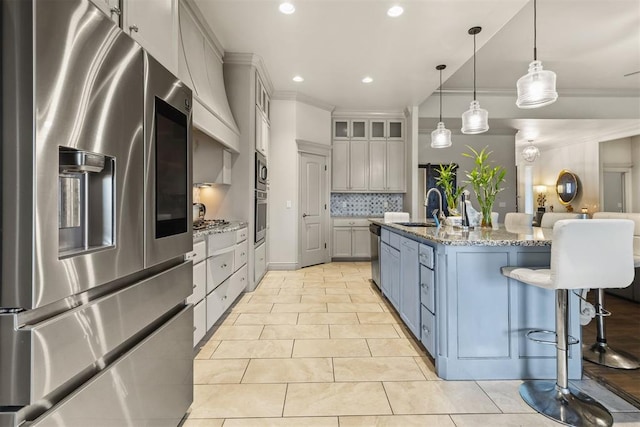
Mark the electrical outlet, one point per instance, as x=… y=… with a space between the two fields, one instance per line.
x=344 y=204
x=288 y=204
x=502 y=204
x=385 y=204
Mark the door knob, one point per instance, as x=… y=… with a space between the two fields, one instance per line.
x=304 y=215
x=133 y=28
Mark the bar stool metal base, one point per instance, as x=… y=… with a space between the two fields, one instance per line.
x=602 y=354
x=567 y=406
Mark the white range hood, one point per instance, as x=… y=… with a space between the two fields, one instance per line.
x=200 y=68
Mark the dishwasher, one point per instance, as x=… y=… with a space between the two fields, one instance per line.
x=375 y=253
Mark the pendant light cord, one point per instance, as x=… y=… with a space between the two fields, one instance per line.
x=441 y=95
x=535 y=25
x=474 y=67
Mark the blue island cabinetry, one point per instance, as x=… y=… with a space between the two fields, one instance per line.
x=447 y=287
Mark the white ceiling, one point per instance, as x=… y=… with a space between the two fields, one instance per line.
x=334 y=44
x=590 y=44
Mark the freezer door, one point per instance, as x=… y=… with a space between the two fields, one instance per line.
x=151 y=385
x=59 y=353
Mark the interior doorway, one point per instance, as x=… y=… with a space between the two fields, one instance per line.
x=427 y=175
x=616 y=190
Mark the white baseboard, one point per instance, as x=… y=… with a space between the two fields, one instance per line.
x=283 y=266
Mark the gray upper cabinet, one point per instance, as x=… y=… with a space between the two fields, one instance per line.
x=344 y=129
x=382 y=129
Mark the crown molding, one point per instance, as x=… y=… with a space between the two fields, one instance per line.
x=250 y=59
x=313 y=147
x=300 y=97
x=574 y=93
x=370 y=113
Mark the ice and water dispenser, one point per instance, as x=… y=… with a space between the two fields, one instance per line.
x=86 y=202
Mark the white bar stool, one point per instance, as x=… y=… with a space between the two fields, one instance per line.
x=584 y=254
x=600 y=352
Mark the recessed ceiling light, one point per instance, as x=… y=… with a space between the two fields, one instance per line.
x=395 y=11
x=287 y=8
x=298 y=79
x=367 y=80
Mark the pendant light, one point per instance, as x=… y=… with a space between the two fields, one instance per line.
x=475 y=119
x=538 y=87
x=441 y=137
x=530 y=153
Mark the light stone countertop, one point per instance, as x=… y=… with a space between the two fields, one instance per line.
x=455 y=236
x=232 y=226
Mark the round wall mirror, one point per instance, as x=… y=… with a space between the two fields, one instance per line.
x=567 y=187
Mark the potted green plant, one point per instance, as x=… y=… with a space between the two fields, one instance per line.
x=485 y=180
x=447 y=181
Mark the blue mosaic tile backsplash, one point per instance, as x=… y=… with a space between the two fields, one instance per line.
x=365 y=204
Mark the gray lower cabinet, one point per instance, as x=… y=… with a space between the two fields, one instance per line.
x=409 y=289
x=390 y=273
x=427 y=299
x=471 y=319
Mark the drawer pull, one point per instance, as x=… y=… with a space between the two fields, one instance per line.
x=223 y=265
x=242 y=254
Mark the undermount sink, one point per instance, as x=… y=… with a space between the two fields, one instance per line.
x=417 y=224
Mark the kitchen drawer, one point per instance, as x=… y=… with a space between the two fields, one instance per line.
x=351 y=222
x=240 y=257
x=385 y=235
x=199 y=283
x=427 y=289
x=219 y=267
x=426 y=256
x=216 y=303
x=237 y=285
x=199 y=321
x=199 y=252
x=219 y=242
x=428 y=331
x=394 y=240
x=241 y=235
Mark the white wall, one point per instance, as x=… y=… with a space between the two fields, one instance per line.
x=581 y=159
x=616 y=153
x=635 y=172
x=503 y=155
x=290 y=120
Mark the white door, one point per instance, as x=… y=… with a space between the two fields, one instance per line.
x=313 y=209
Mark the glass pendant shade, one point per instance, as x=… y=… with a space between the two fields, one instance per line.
x=441 y=137
x=537 y=88
x=530 y=153
x=475 y=119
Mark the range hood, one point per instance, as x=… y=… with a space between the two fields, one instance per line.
x=200 y=67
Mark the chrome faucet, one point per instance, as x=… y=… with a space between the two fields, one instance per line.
x=441 y=216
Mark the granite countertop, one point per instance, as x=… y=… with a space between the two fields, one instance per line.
x=455 y=236
x=217 y=229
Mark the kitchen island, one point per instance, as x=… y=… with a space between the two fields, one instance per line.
x=447 y=287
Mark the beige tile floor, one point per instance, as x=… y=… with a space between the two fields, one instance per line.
x=321 y=347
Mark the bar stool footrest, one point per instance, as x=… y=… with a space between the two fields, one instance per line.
x=537 y=335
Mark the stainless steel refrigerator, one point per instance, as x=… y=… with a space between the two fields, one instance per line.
x=95 y=195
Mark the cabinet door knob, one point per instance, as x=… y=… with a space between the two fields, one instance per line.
x=115 y=11
x=133 y=28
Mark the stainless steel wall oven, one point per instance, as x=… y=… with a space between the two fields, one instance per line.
x=261 y=216
x=261 y=172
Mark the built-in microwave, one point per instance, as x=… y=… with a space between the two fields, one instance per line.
x=167 y=134
x=261 y=216
x=261 y=172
